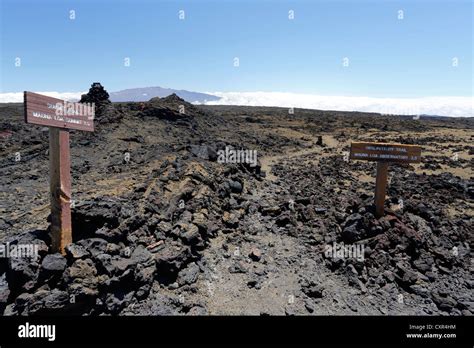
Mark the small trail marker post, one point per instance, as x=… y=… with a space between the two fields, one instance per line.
x=59 y=116
x=383 y=154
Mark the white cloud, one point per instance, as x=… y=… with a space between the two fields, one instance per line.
x=17 y=97
x=442 y=106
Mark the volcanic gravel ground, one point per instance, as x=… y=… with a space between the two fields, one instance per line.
x=161 y=227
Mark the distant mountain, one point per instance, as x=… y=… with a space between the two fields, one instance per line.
x=146 y=93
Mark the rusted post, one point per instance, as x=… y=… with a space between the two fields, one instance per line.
x=380 y=187
x=60 y=188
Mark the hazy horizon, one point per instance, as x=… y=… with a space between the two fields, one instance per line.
x=436 y=106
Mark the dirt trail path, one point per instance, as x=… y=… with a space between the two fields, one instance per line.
x=272 y=285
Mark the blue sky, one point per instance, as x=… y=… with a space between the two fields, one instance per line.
x=388 y=57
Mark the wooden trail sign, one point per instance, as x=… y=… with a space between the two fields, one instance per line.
x=53 y=112
x=384 y=153
x=60 y=116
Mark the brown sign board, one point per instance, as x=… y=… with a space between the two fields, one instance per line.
x=52 y=112
x=385 y=152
